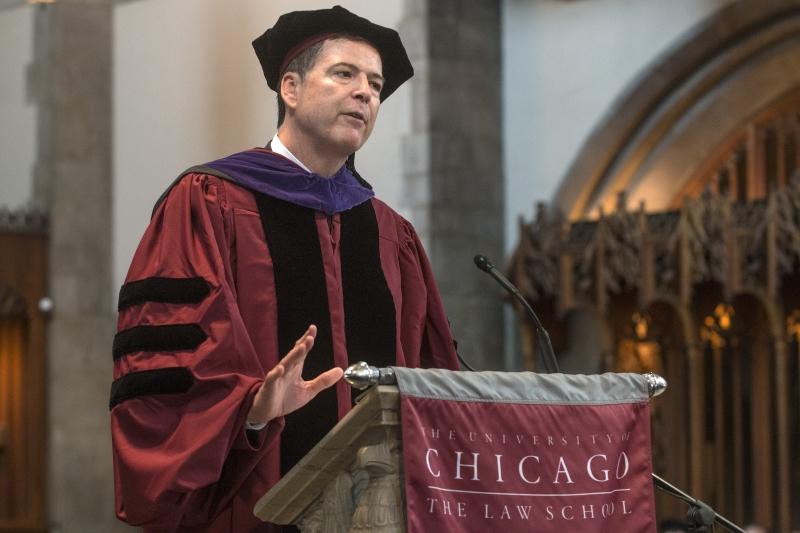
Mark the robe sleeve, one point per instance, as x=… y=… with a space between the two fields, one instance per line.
x=425 y=328
x=185 y=370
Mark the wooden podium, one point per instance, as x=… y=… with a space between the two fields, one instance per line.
x=351 y=481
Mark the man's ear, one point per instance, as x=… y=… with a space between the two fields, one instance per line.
x=290 y=86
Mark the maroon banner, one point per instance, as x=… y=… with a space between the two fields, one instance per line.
x=481 y=466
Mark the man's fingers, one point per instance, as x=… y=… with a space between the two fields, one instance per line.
x=301 y=347
x=274 y=374
x=324 y=380
x=311 y=331
x=298 y=354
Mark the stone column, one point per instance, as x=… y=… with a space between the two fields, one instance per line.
x=71 y=82
x=453 y=167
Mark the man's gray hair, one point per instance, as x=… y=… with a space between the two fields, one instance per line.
x=301 y=65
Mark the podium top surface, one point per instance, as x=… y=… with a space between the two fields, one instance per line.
x=365 y=425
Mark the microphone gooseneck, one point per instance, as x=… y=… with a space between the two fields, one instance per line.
x=542 y=337
x=464 y=363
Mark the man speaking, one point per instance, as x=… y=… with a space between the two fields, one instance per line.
x=261 y=276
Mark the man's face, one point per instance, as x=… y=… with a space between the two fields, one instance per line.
x=336 y=104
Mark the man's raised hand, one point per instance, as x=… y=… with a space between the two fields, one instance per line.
x=284 y=389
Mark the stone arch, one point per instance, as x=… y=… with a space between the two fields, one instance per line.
x=661 y=130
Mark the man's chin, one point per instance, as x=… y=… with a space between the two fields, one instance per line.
x=350 y=145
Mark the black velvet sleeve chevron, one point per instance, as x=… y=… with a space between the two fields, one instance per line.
x=163 y=290
x=165 y=338
x=175 y=380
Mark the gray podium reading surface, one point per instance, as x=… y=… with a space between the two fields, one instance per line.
x=351 y=481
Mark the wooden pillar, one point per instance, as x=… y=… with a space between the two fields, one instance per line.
x=600 y=295
x=733 y=176
x=756 y=180
x=720 y=474
x=696 y=425
x=782 y=413
x=685 y=261
x=760 y=428
x=781 y=134
x=795 y=128
x=739 y=434
x=772 y=281
x=733 y=283
x=647 y=275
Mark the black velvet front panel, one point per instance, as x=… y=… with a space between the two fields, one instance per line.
x=302 y=299
x=368 y=304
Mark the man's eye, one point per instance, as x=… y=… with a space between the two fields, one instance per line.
x=377 y=87
x=344 y=73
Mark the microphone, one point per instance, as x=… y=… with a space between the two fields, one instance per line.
x=542 y=337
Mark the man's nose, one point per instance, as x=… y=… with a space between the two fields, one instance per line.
x=363 y=91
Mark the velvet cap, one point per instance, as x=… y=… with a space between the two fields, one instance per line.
x=298 y=27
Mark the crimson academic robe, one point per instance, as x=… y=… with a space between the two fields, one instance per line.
x=221 y=285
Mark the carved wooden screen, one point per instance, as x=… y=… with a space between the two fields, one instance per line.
x=23 y=268
x=12 y=419
x=731 y=245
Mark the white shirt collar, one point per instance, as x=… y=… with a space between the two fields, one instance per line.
x=279 y=148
